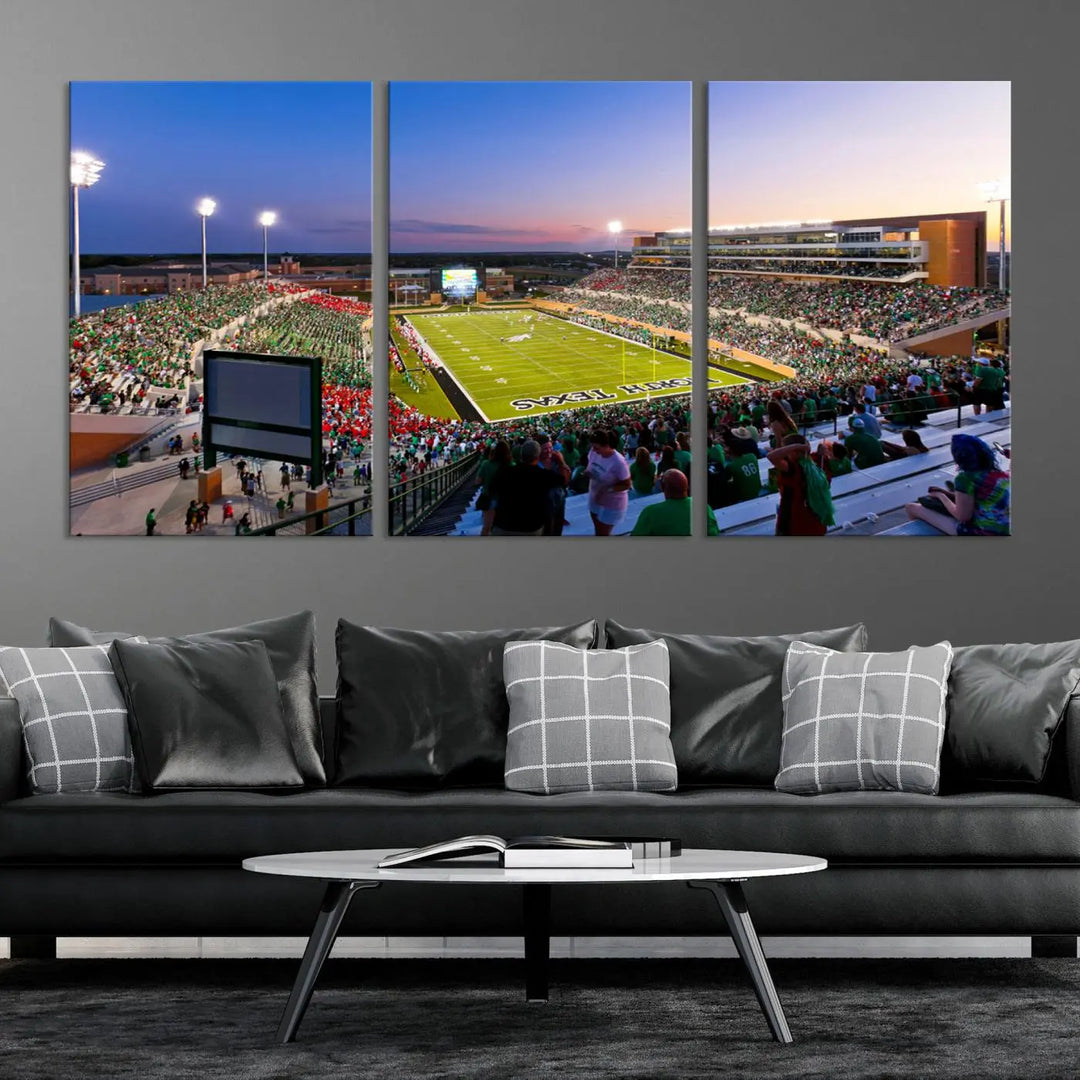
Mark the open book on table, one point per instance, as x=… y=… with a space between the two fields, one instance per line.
x=524 y=852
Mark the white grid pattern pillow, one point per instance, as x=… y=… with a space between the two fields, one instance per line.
x=588 y=719
x=74 y=719
x=863 y=721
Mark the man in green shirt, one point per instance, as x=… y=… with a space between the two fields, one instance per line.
x=865 y=449
x=672 y=516
x=989 y=386
x=744 y=473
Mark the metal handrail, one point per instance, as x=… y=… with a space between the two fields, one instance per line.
x=954 y=397
x=323 y=525
x=414 y=499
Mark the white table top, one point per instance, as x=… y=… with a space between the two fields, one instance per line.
x=694 y=864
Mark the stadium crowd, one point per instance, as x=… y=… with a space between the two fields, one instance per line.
x=118 y=355
x=880 y=311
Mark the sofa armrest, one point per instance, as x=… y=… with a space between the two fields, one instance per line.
x=11 y=750
x=1072 y=744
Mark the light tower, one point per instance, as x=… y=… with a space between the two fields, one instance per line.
x=615 y=227
x=266 y=219
x=998 y=191
x=205 y=208
x=85 y=172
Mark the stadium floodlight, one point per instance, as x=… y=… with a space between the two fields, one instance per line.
x=266 y=219
x=615 y=227
x=205 y=208
x=999 y=191
x=85 y=172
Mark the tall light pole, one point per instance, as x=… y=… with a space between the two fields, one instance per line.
x=998 y=191
x=615 y=227
x=205 y=208
x=266 y=219
x=85 y=172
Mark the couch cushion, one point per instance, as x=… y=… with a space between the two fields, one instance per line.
x=726 y=709
x=290 y=641
x=426 y=709
x=588 y=719
x=863 y=721
x=74 y=720
x=874 y=826
x=1005 y=705
x=205 y=715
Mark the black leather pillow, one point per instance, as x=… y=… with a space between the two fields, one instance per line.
x=290 y=643
x=1005 y=705
x=726 y=708
x=205 y=715
x=424 y=709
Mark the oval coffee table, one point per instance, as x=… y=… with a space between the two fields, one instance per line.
x=720 y=872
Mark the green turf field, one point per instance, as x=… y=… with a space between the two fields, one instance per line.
x=557 y=366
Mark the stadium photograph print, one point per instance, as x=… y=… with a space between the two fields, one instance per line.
x=219 y=326
x=867 y=308
x=532 y=394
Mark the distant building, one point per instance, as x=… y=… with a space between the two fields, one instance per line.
x=498 y=282
x=162 y=278
x=940 y=249
x=413 y=285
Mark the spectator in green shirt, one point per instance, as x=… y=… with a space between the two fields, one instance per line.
x=672 y=517
x=682 y=453
x=643 y=472
x=742 y=469
x=865 y=449
x=989 y=387
x=716 y=453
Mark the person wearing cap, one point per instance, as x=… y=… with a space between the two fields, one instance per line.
x=672 y=517
x=864 y=448
x=869 y=422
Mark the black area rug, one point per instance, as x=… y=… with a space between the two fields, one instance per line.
x=209 y=1019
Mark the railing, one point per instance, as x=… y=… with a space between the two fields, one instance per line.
x=412 y=500
x=917 y=408
x=327 y=522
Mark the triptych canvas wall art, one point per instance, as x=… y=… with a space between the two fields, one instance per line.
x=222 y=310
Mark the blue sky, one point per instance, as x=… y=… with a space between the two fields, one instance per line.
x=301 y=149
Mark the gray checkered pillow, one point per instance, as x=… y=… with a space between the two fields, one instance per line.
x=863 y=721
x=74 y=719
x=588 y=719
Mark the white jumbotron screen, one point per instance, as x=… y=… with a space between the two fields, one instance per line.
x=458 y=282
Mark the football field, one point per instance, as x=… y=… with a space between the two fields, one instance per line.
x=525 y=363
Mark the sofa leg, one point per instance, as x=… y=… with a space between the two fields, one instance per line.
x=1053 y=946
x=33 y=947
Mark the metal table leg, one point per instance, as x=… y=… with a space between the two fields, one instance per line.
x=334 y=905
x=729 y=896
x=537 y=910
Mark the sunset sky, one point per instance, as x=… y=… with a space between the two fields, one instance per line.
x=786 y=151
x=533 y=166
x=520 y=166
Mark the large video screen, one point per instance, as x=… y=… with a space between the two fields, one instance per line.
x=459 y=282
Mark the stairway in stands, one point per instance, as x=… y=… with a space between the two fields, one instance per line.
x=443 y=520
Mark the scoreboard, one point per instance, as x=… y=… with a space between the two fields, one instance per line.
x=459 y=283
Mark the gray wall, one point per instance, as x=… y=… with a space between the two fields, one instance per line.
x=907 y=590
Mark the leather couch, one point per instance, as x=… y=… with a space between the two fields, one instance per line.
x=982 y=862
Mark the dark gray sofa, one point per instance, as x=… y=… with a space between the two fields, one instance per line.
x=992 y=862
